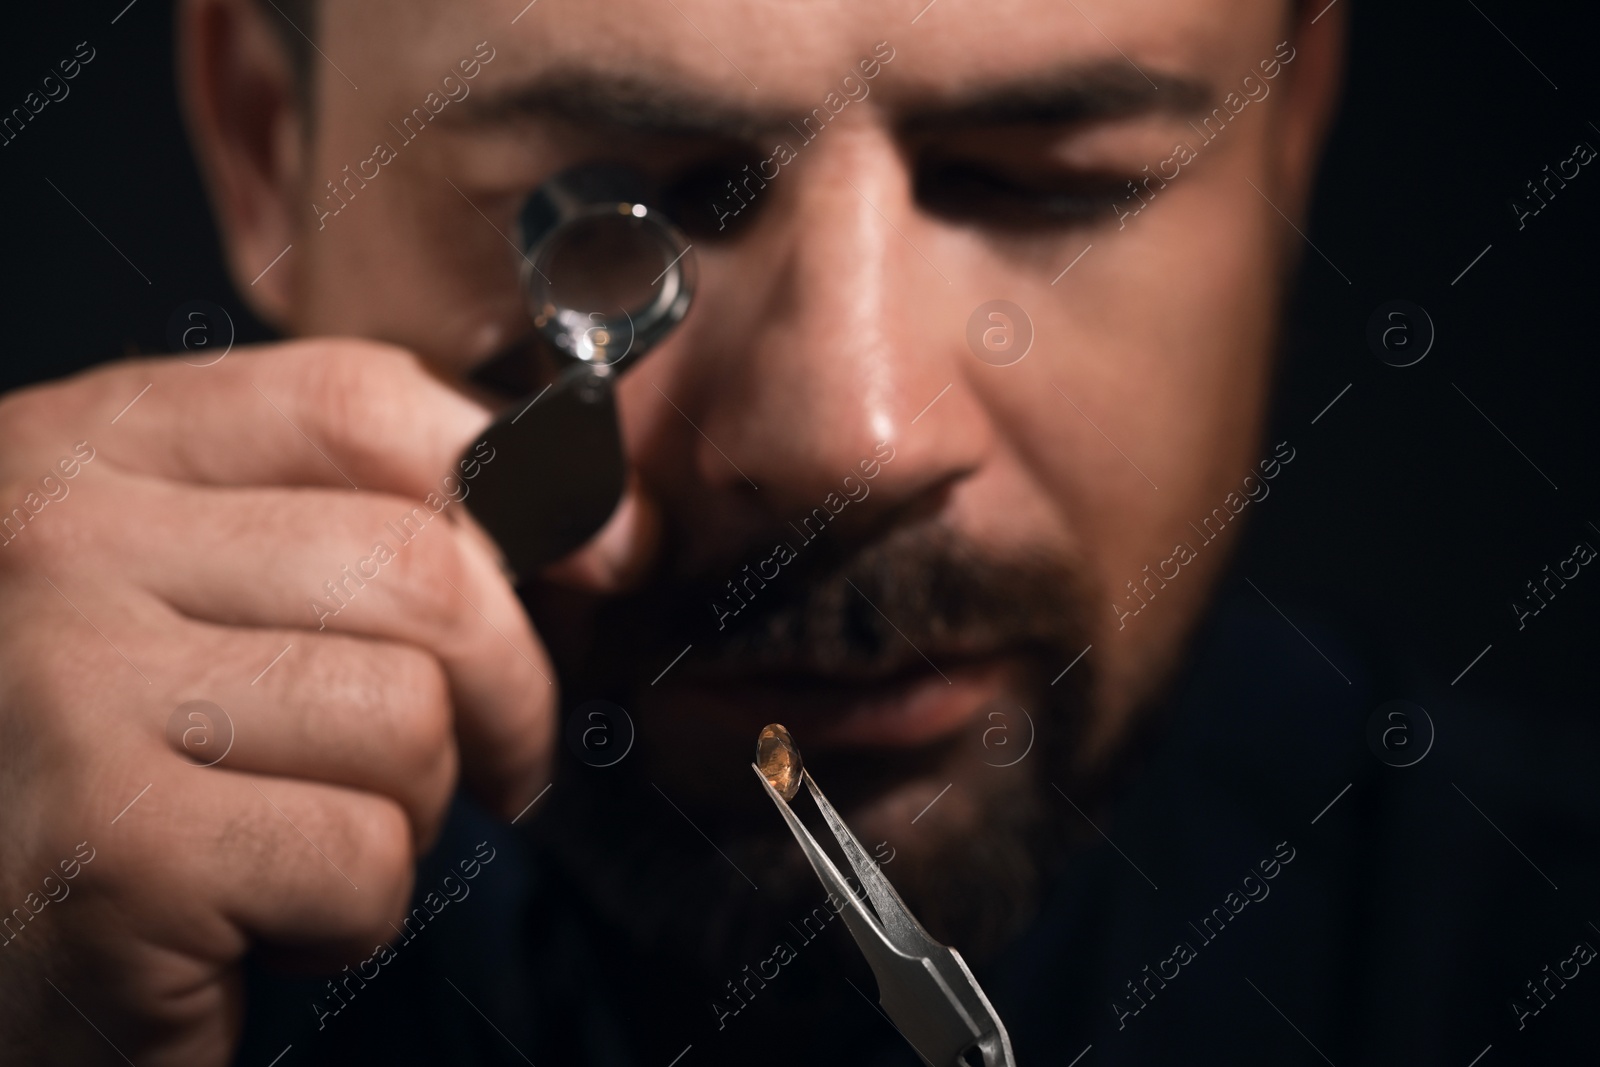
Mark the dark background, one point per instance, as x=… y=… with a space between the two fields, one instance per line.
x=1406 y=519
x=1406 y=515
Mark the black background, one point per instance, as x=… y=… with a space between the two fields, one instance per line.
x=1406 y=515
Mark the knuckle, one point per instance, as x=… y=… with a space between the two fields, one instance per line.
x=429 y=823
x=44 y=683
x=349 y=384
x=36 y=531
x=434 y=577
x=26 y=417
x=17 y=550
x=535 y=714
x=13 y=422
x=531 y=749
x=420 y=718
x=387 y=854
x=35 y=419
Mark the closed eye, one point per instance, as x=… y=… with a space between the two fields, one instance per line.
x=966 y=191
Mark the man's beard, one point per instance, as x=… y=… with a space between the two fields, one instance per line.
x=634 y=836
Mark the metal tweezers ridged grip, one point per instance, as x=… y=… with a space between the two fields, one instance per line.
x=924 y=987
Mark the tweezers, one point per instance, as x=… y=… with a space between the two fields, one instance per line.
x=924 y=987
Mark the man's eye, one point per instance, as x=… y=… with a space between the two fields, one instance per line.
x=966 y=191
x=715 y=198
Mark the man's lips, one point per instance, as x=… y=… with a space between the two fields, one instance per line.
x=912 y=708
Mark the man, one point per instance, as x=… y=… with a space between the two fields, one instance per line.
x=1016 y=549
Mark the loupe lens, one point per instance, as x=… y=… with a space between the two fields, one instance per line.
x=603 y=261
x=609 y=280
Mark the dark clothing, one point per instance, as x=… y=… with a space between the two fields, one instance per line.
x=1275 y=894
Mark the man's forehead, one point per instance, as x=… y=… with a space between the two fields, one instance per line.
x=764 y=59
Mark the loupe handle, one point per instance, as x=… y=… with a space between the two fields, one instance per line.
x=556 y=472
x=558 y=469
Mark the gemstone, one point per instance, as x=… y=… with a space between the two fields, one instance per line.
x=779 y=760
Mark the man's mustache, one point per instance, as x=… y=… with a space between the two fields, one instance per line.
x=840 y=611
x=866 y=611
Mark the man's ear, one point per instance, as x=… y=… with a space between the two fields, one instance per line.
x=237 y=86
x=1315 y=78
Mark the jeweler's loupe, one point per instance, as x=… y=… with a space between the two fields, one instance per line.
x=606 y=277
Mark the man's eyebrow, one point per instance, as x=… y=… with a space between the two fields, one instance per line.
x=1070 y=94
x=631 y=103
x=625 y=103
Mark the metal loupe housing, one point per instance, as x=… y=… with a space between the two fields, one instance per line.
x=606 y=277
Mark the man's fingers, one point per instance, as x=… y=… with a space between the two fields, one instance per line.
x=332 y=412
x=285 y=860
x=327 y=414
x=368 y=565
x=367 y=714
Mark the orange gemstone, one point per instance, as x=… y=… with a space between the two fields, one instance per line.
x=779 y=760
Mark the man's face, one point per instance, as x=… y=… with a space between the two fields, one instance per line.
x=961 y=155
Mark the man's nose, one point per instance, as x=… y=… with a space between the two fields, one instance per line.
x=834 y=337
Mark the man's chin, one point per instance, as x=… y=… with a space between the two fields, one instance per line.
x=936 y=735
x=680 y=847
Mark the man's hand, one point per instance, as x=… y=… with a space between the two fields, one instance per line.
x=273 y=534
